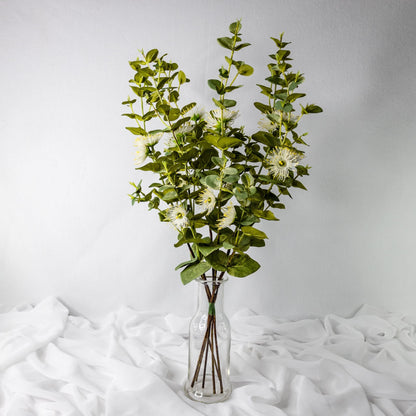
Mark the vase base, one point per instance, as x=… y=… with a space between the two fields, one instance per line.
x=205 y=394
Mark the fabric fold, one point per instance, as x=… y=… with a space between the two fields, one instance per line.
x=135 y=362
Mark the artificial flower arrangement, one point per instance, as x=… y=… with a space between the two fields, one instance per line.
x=215 y=182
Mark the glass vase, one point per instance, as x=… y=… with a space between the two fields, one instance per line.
x=209 y=345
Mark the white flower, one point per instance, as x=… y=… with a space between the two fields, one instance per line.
x=152 y=139
x=141 y=150
x=171 y=142
x=177 y=216
x=228 y=216
x=196 y=113
x=207 y=201
x=269 y=125
x=184 y=128
x=266 y=124
x=142 y=143
x=214 y=118
x=282 y=161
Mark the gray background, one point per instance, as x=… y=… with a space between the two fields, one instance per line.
x=66 y=224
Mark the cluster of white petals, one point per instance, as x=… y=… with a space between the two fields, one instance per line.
x=228 y=216
x=178 y=217
x=213 y=119
x=269 y=125
x=281 y=161
x=197 y=113
x=172 y=142
x=142 y=143
x=207 y=200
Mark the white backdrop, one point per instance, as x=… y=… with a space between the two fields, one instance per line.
x=66 y=224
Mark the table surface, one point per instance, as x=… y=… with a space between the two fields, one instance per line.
x=135 y=362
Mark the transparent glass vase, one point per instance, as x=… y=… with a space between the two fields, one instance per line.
x=209 y=345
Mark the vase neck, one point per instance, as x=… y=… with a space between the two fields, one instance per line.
x=211 y=291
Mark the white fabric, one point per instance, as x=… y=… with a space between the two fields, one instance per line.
x=134 y=363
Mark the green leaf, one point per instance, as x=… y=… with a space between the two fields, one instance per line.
x=229 y=103
x=186 y=239
x=222 y=142
x=266 y=138
x=214 y=84
x=226 y=43
x=185 y=263
x=295 y=96
x=132 y=116
x=293 y=85
x=267 y=215
x=213 y=181
x=241 y=46
x=240 y=193
x=230 y=171
x=173 y=97
x=187 y=108
x=128 y=102
x=282 y=54
x=218 y=260
x=242 y=265
x=219 y=161
x=253 y=232
x=262 y=107
x=311 y=108
x=232 y=88
x=298 y=184
x=245 y=70
x=162 y=82
x=231 y=178
x=207 y=250
x=247 y=179
x=193 y=271
x=302 y=170
x=136 y=130
x=152 y=166
x=226 y=142
x=179 y=123
x=151 y=55
x=174 y=113
x=235 y=27
x=181 y=77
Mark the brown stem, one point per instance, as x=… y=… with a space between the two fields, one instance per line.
x=212 y=360
x=205 y=365
x=214 y=327
x=201 y=354
x=210 y=344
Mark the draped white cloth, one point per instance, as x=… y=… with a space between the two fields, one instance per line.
x=134 y=363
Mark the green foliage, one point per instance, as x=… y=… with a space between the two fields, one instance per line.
x=215 y=182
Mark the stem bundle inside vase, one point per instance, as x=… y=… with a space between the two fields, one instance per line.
x=209 y=344
x=215 y=179
x=209 y=352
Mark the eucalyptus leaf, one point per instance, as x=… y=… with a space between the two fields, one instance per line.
x=235 y=27
x=206 y=250
x=193 y=271
x=218 y=260
x=253 y=232
x=213 y=181
x=151 y=55
x=230 y=171
x=242 y=265
x=226 y=42
x=136 y=130
x=181 y=77
x=245 y=70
